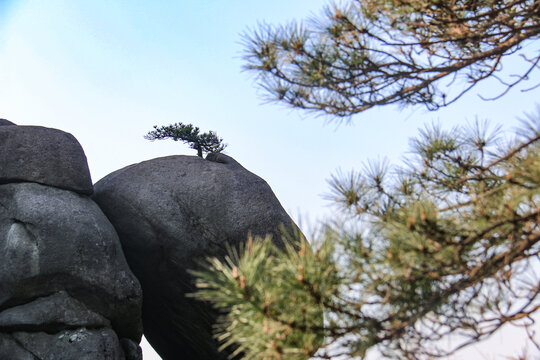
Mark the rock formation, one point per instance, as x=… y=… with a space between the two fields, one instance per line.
x=172 y=212
x=44 y=156
x=66 y=291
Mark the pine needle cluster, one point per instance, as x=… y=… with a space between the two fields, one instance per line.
x=444 y=247
x=429 y=257
x=364 y=53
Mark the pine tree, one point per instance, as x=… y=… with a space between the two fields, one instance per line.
x=443 y=247
x=367 y=53
x=446 y=246
x=205 y=142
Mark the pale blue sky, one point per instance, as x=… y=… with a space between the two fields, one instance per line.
x=107 y=71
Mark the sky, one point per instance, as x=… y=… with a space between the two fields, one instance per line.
x=108 y=71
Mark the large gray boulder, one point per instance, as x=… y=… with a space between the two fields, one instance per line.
x=66 y=291
x=42 y=155
x=171 y=213
x=53 y=240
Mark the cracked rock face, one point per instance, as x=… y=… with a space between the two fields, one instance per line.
x=172 y=212
x=66 y=291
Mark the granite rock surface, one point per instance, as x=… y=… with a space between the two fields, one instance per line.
x=66 y=291
x=171 y=213
x=42 y=155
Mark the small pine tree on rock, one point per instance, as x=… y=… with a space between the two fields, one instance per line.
x=207 y=142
